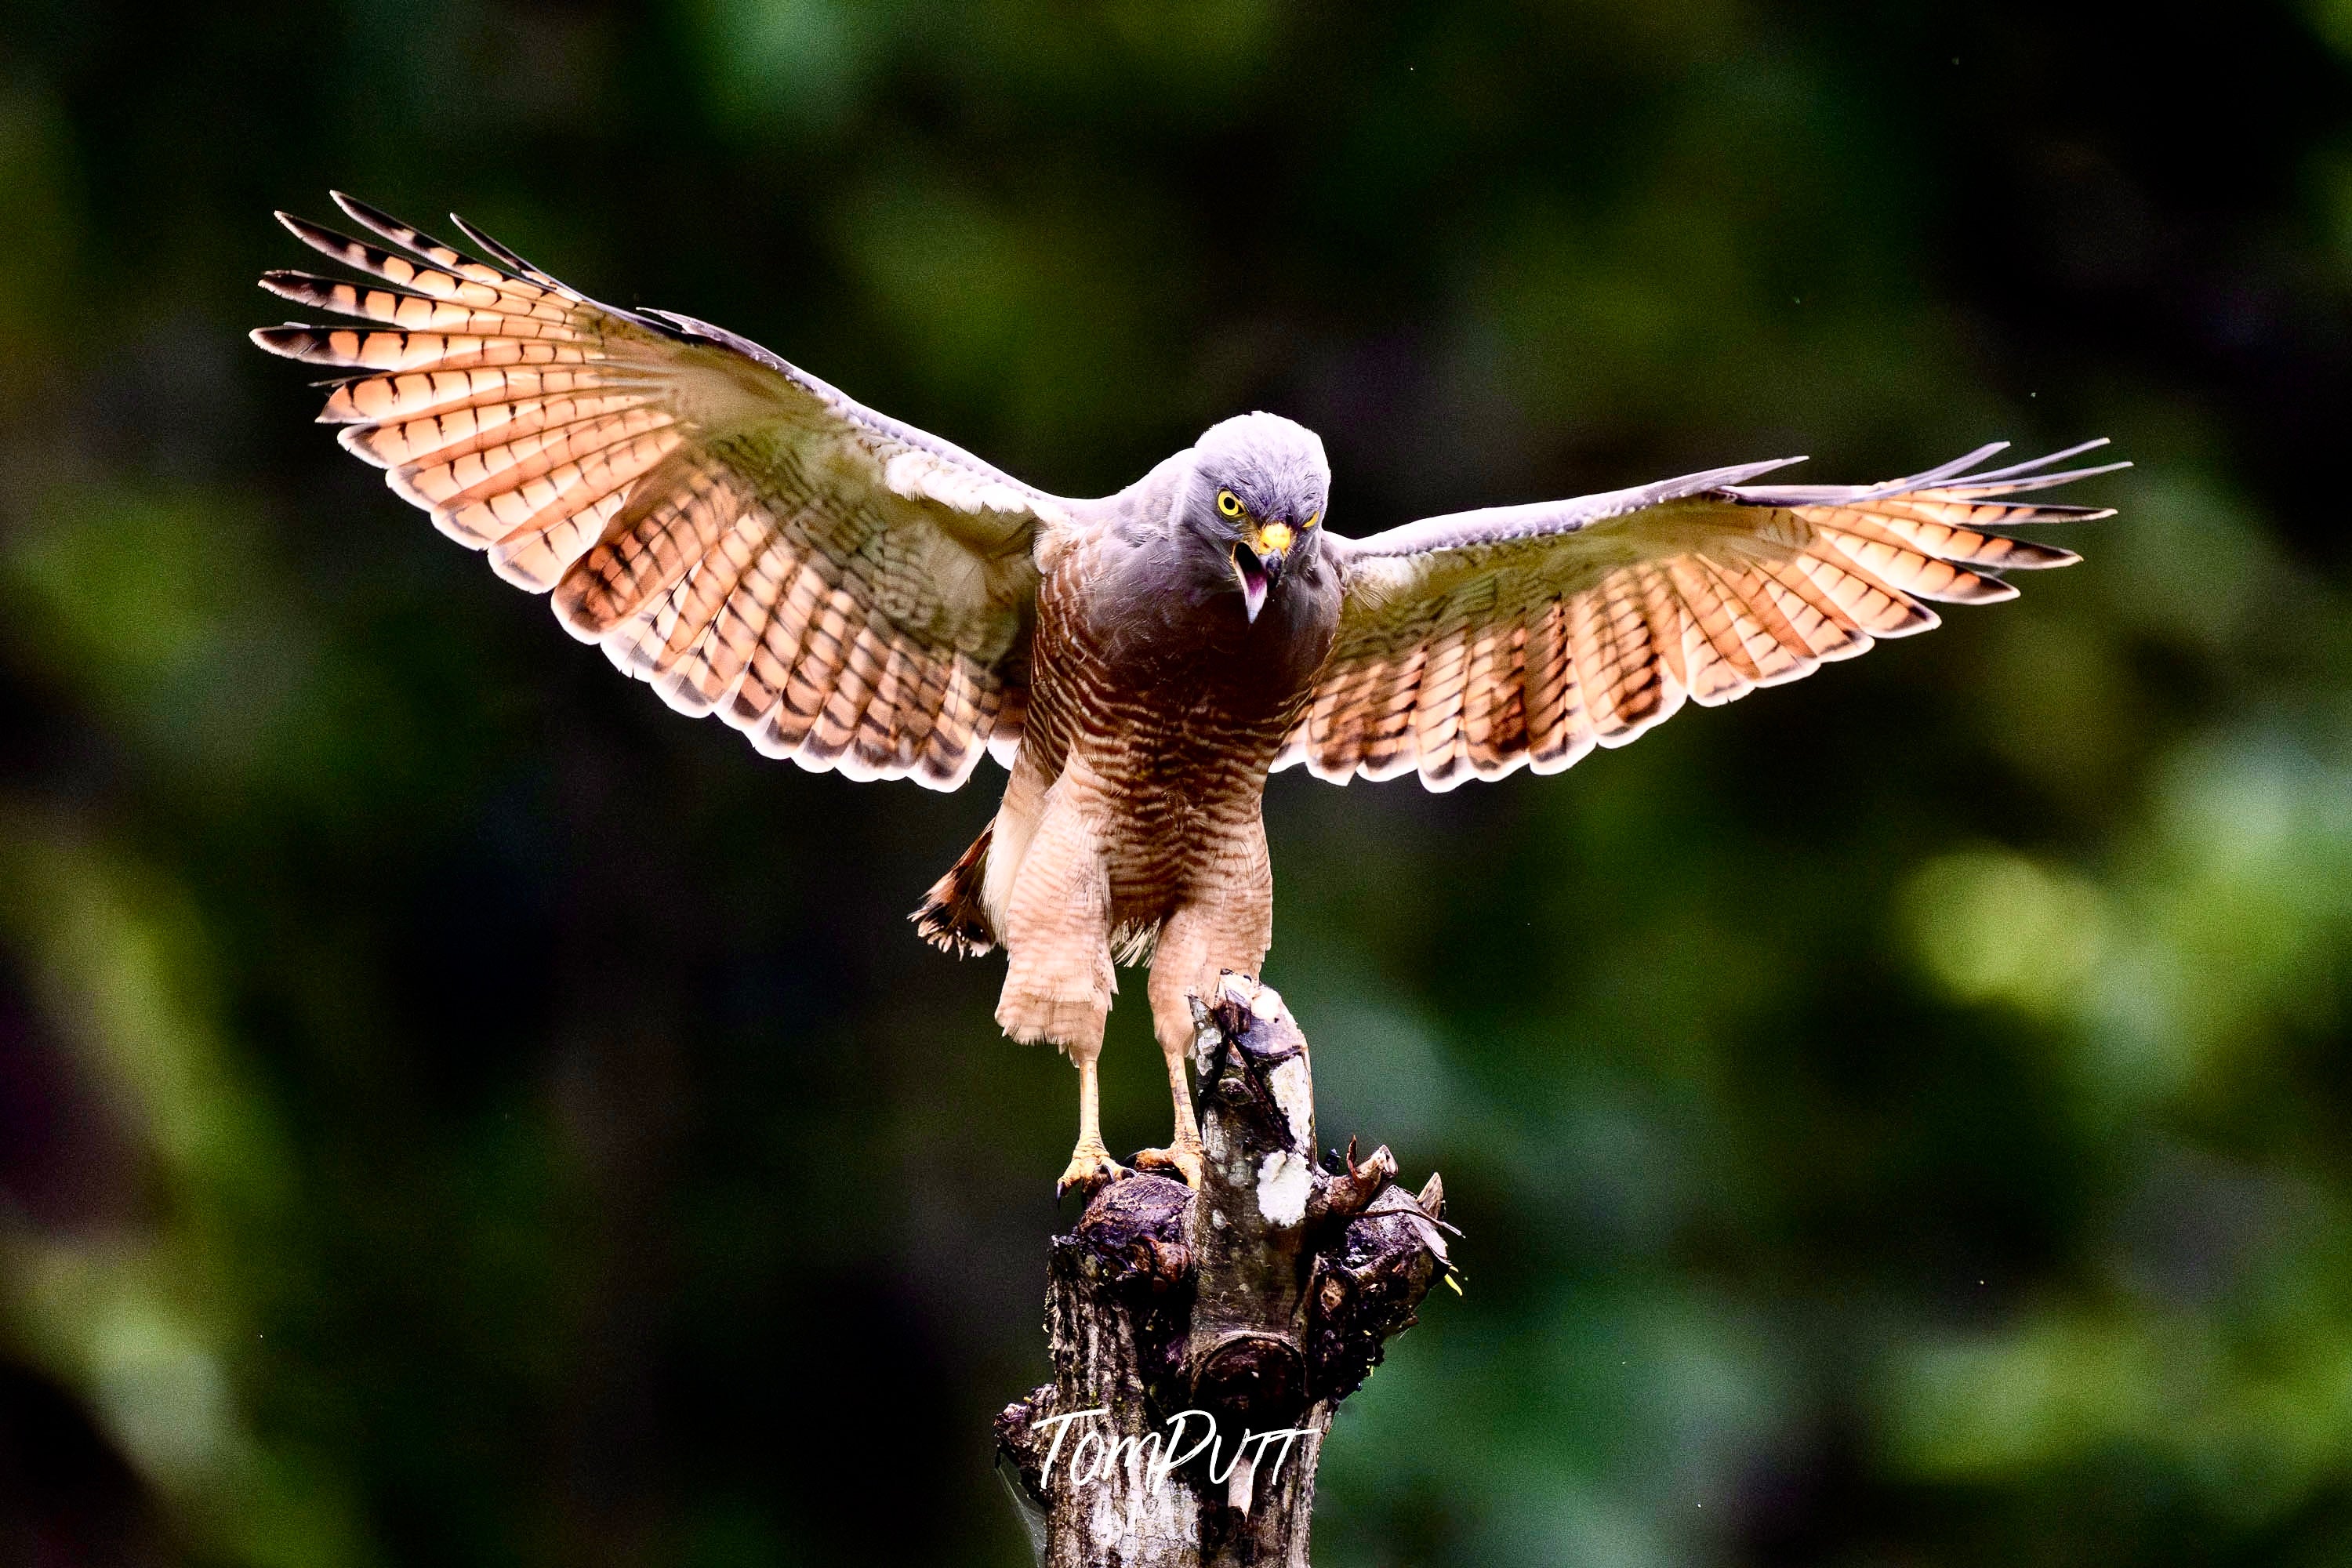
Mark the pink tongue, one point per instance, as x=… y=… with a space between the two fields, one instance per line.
x=1253 y=591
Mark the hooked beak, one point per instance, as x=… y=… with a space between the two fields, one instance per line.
x=1257 y=573
x=1257 y=564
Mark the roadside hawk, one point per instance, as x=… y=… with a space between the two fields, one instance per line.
x=857 y=595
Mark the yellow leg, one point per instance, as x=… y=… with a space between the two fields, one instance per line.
x=1183 y=1151
x=1201 y=940
x=1090 y=1164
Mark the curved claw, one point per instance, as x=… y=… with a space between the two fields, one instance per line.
x=1090 y=1169
x=1183 y=1157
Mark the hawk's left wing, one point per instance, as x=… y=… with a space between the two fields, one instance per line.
x=1473 y=644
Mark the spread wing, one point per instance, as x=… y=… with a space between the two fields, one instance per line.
x=1475 y=644
x=845 y=589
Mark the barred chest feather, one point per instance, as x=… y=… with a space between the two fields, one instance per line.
x=1149 y=669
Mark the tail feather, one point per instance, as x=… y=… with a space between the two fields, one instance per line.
x=953 y=917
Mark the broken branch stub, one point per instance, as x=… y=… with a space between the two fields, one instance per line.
x=1202 y=1341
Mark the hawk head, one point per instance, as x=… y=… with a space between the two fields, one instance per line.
x=1255 y=502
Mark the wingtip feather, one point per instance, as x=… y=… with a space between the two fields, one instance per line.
x=291 y=340
x=354 y=439
x=318 y=236
x=500 y=253
x=376 y=221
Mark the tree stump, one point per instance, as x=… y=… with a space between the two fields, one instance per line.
x=1203 y=1341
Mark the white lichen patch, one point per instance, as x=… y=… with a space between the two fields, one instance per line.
x=1294 y=1091
x=1284 y=1181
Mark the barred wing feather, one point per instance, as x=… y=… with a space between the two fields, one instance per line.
x=1473 y=645
x=845 y=589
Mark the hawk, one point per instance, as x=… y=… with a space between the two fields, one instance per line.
x=859 y=595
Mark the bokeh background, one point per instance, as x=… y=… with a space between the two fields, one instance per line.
x=455 y=1111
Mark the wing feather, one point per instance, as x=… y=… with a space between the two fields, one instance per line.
x=1436 y=726
x=1494 y=721
x=1775 y=646
x=1388 y=746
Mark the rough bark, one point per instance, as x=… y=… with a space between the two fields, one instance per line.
x=1184 y=1326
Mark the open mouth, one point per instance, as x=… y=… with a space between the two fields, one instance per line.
x=1253 y=574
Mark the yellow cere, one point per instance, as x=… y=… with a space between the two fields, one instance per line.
x=1275 y=536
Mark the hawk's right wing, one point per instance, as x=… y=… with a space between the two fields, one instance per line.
x=845 y=589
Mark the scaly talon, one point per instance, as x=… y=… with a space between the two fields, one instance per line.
x=1091 y=1169
x=1182 y=1156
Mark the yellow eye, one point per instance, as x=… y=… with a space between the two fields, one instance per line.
x=1229 y=503
x=1312 y=520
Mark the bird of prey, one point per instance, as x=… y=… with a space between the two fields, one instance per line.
x=859 y=595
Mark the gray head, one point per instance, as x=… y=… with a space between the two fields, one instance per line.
x=1255 y=496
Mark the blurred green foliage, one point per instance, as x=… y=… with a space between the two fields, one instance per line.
x=454 y=1111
